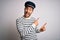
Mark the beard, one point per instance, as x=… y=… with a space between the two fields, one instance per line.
x=27 y=15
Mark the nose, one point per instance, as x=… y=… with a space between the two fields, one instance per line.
x=27 y=10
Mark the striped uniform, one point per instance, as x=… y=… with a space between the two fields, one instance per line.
x=26 y=29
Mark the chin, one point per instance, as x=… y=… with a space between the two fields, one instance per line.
x=27 y=16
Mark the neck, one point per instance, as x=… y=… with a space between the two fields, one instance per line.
x=26 y=17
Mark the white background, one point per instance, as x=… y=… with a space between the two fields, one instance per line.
x=47 y=10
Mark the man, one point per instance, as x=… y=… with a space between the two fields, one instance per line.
x=27 y=25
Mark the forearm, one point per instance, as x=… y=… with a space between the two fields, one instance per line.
x=37 y=30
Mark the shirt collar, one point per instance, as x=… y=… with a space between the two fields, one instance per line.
x=27 y=18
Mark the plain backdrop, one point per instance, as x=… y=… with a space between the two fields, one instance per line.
x=47 y=10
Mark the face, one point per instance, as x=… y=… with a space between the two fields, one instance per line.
x=28 y=11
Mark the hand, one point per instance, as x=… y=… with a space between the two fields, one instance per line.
x=36 y=22
x=43 y=28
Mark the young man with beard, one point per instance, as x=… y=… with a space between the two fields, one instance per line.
x=27 y=25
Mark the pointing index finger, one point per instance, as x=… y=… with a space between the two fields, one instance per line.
x=44 y=24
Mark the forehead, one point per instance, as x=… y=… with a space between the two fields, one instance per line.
x=29 y=7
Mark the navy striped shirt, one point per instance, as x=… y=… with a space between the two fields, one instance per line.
x=25 y=28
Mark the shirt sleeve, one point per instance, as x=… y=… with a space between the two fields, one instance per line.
x=33 y=25
x=19 y=26
x=37 y=30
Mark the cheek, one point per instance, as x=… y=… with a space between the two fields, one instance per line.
x=25 y=10
x=31 y=12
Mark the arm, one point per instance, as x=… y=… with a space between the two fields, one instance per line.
x=36 y=29
x=19 y=26
x=41 y=29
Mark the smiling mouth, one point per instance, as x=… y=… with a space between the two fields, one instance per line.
x=27 y=14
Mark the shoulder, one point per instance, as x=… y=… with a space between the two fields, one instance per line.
x=33 y=18
x=19 y=18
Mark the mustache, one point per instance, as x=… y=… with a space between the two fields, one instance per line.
x=27 y=13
